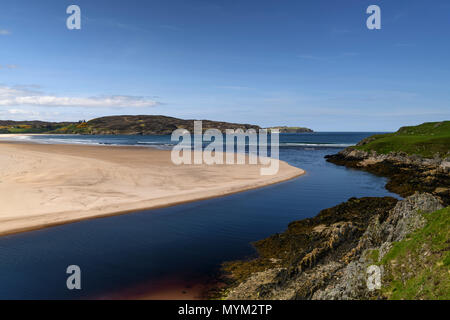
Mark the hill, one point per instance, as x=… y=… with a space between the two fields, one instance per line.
x=126 y=125
x=426 y=140
x=9 y=126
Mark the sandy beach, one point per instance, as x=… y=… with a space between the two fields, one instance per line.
x=43 y=185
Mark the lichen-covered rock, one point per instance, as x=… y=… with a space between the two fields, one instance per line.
x=351 y=285
x=256 y=286
x=403 y=219
x=407 y=215
x=384 y=248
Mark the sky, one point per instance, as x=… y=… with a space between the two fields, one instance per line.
x=270 y=63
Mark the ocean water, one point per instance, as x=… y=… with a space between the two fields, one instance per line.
x=317 y=139
x=140 y=252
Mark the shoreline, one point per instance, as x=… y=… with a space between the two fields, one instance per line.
x=116 y=176
x=327 y=257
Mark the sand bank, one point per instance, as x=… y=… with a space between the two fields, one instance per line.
x=44 y=185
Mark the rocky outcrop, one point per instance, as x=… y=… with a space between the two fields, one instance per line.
x=334 y=264
x=361 y=158
x=407 y=173
x=403 y=219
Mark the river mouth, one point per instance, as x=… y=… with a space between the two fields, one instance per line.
x=166 y=253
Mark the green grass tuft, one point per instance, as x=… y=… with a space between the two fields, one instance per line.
x=419 y=267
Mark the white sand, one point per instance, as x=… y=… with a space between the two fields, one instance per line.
x=44 y=185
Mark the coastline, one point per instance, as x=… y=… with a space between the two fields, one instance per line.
x=406 y=173
x=326 y=257
x=69 y=183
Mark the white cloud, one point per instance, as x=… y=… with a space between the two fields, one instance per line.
x=17 y=111
x=10 y=66
x=4 y=32
x=20 y=96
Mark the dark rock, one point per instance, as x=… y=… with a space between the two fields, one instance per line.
x=407 y=173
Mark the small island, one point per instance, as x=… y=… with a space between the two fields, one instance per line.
x=285 y=129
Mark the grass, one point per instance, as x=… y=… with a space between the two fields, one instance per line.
x=78 y=128
x=373 y=255
x=425 y=140
x=419 y=266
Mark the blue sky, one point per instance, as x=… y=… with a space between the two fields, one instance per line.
x=297 y=63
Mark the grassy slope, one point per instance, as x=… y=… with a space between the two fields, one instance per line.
x=76 y=128
x=419 y=266
x=22 y=130
x=425 y=140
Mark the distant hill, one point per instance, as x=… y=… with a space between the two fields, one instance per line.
x=285 y=129
x=9 y=126
x=126 y=125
